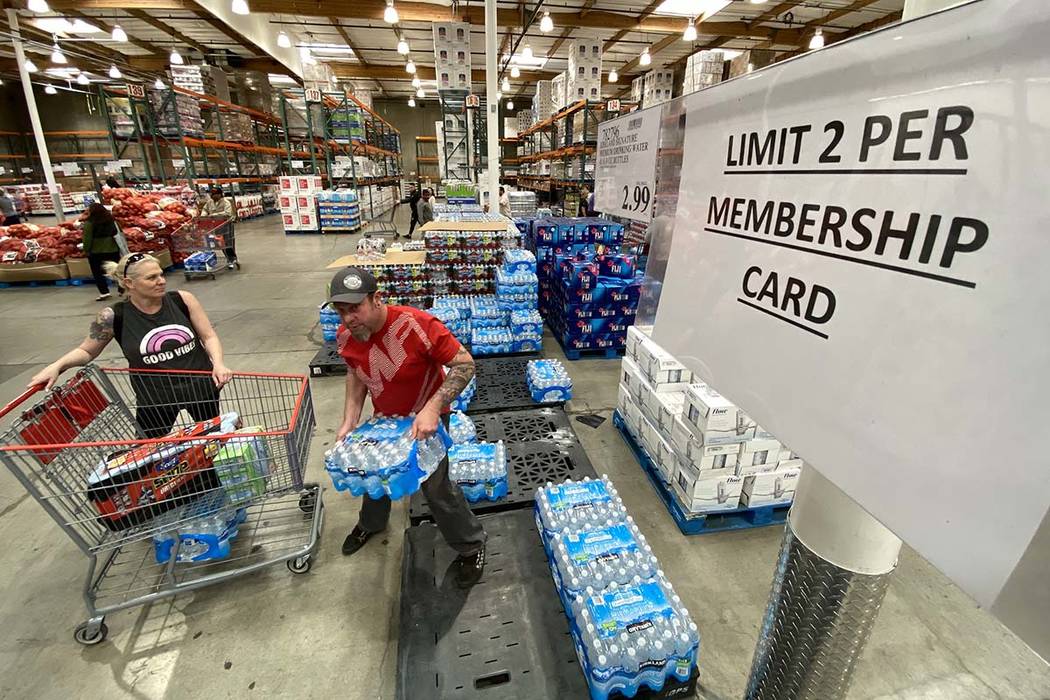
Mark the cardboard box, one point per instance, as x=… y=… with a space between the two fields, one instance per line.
x=707 y=410
x=286 y=184
x=770 y=488
x=305 y=203
x=634 y=420
x=664 y=406
x=286 y=202
x=78 y=268
x=759 y=451
x=635 y=334
x=623 y=396
x=631 y=377
x=665 y=461
x=290 y=221
x=698 y=454
x=34 y=272
x=707 y=492
x=308 y=184
x=658 y=365
x=307 y=221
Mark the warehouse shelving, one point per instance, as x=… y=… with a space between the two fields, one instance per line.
x=426 y=157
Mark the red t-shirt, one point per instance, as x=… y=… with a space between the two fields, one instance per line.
x=402 y=364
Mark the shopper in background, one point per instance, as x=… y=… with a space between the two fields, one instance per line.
x=112 y=182
x=586 y=202
x=99 y=237
x=504 y=202
x=8 y=210
x=155 y=329
x=216 y=206
x=426 y=207
x=412 y=201
x=397 y=354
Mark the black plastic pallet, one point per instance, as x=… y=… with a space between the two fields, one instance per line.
x=547 y=424
x=530 y=465
x=505 y=638
x=501 y=384
x=327 y=362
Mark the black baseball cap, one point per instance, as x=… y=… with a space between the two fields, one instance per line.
x=351 y=285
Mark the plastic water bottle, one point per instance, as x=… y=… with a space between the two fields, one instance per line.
x=330 y=323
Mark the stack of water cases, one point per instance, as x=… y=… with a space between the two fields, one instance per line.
x=203 y=532
x=330 y=323
x=629 y=627
x=461 y=428
x=338 y=210
x=404 y=284
x=381 y=458
x=454 y=312
x=490 y=327
x=480 y=469
x=548 y=381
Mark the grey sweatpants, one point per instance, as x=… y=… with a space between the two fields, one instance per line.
x=458 y=524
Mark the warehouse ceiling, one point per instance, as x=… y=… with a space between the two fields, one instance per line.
x=353 y=38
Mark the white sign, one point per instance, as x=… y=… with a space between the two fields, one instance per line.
x=70 y=168
x=298 y=164
x=27 y=170
x=625 y=169
x=859 y=261
x=125 y=162
x=313 y=95
x=178 y=162
x=473 y=101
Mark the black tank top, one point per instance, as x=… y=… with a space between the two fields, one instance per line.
x=164 y=340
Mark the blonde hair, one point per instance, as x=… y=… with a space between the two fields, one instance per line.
x=116 y=270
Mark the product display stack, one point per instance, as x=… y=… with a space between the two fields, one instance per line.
x=461 y=192
x=657 y=87
x=702 y=69
x=559 y=92
x=376 y=200
x=711 y=454
x=204 y=80
x=452 y=55
x=630 y=630
x=236 y=126
x=584 y=76
x=347 y=124
x=522 y=203
x=248 y=206
x=338 y=210
x=297 y=200
x=176 y=114
x=406 y=285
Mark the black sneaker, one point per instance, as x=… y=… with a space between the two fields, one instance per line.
x=471 y=567
x=355 y=540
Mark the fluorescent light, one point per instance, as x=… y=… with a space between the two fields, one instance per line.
x=115 y=73
x=240 y=7
x=510 y=104
x=526 y=53
x=57 y=56
x=175 y=58
x=30 y=66
x=817 y=42
x=119 y=34
x=39 y=6
x=416 y=82
x=390 y=13
x=411 y=102
x=159 y=84
x=329 y=48
x=60 y=25
x=701 y=9
x=759 y=2
x=82 y=79
x=283 y=40
x=645 y=59
x=505 y=85
x=613 y=76
x=402 y=47
x=690 y=32
x=546 y=24
x=515 y=72
x=420 y=94
x=410 y=67
x=531 y=61
x=50 y=89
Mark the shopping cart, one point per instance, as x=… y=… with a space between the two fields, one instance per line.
x=206 y=238
x=82 y=451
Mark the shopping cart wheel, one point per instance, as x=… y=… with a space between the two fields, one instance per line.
x=300 y=565
x=90 y=634
x=308 y=501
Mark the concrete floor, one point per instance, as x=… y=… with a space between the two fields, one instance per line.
x=334 y=631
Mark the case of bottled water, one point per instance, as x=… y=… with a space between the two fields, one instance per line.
x=489 y=341
x=613 y=553
x=461 y=428
x=330 y=323
x=205 y=536
x=519 y=260
x=573 y=506
x=526 y=321
x=548 y=381
x=480 y=469
x=380 y=458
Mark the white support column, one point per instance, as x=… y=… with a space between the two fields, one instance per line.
x=492 y=109
x=34 y=115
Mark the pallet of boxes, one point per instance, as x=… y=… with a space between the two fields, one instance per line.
x=297 y=200
x=709 y=454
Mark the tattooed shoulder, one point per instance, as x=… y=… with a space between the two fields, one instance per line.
x=102 y=326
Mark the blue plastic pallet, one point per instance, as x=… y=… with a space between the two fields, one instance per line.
x=77 y=282
x=700 y=524
x=593 y=353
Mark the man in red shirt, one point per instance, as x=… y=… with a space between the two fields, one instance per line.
x=397 y=355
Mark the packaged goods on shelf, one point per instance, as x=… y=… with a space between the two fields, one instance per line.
x=629 y=628
x=525 y=119
x=702 y=69
x=205 y=80
x=253 y=89
x=176 y=114
x=236 y=126
x=658 y=86
x=543 y=104
x=706 y=448
x=480 y=470
x=248 y=206
x=638 y=89
x=559 y=95
x=452 y=60
x=522 y=203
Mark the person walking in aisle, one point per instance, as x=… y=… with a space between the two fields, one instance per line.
x=155 y=329
x=412 y=201
x=504 y=202
x=397 y=355
x=426 y=207
x=216 y=206
x=112 y=183
x=586 y=202
x=99 y=238
x=8 y=210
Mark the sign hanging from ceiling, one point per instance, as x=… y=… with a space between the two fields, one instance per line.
x=625 y=166
x=858 y=261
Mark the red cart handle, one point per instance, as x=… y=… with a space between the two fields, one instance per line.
x=36 y=388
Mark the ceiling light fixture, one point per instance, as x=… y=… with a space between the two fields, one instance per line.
x=526 y=53
x=759 y=2
x=411 y=102
x=420 y=94
x=817 y=42
x=515 y=72
x=416 y=82
x=613 y=76
x=30 y=66
x=546 y=24
x=410 y=67
x=56 y=55
x=499 y=94
x=82 y=79
x=175 y=58
x=284 y=41
x=240 y=7
x=702 y=9
x=645 y=59
x=115 y=73
x=402 y=47
x=39 y=6
x=505 y=85
x=119 y=34
x=159 y=84
x=510 y=104
x=50 y=89
x=690 y=32
x=390 y=13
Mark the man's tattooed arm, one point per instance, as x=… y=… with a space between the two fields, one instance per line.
x=460 y=370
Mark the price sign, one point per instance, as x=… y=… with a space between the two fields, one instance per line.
x=625 y=174
x=473 y=101
x=136 y=91
x=298 y=164
x=113 y=165
x=27 y=170
x=124 y=162
x=313 y=95
x=69 y=168
x=178 y=162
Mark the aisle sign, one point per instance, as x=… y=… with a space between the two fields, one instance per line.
x=612 y=106
x=136 y=90
x=473 y=101
x=625 y=169
x=313 y=95
x=859 y=262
